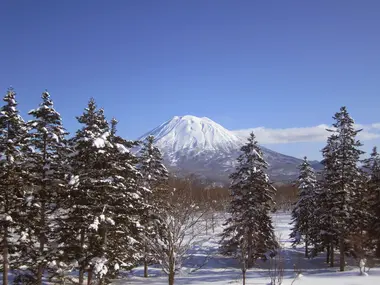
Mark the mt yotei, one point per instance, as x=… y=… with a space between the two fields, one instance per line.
x=193 y=145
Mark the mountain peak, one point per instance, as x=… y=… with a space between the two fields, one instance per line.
x=190 y=118
x=190 y=132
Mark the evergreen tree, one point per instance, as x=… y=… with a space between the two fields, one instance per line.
x=13 y=133
x=124 y=202
x=106 y=204
x=322 y=230
x=81 y=206
x=359 y=242
x=154 y=178
x=303 y=212
x=249 y=231
x=154 y=173
x=326 y=210
x=372 y=165
x=46 y=174
x=344 y=176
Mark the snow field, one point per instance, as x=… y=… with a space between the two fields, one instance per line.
x=206 y=266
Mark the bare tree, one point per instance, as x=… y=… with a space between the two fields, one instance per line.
x=182 y=222
x=276 y=265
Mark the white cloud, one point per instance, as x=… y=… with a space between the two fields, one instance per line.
x=376 y=126
x=305 y=134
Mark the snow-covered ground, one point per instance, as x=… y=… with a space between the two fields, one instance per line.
x=207 y=266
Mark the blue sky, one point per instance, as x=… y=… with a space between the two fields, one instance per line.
x=244 y=64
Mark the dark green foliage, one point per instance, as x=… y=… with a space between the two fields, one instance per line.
x=13 y=133
x=78 y=242
x=45 y=182
x=105 y=207
x=249 y=231
x=303 y=211
x=342 y=187
x=372 y=165
x=154 y=178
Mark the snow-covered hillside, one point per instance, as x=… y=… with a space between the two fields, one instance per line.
x=193 y=145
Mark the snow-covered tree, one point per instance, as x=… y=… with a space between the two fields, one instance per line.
x=322 y=230
x=303 y=212
x=358 y=242
x=343 y=176
x=249 y=234
x=372 y=165
x=103 y=221
x=46 y=173
x=125 y=204
x=154 y=178
x=13 y=132
x=82 y=207
x=154 y=173
x=181 y=227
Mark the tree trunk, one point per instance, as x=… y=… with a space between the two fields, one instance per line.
x=306 y=248
x=341 y=250
x=171 y=267
x=328 y=255
x=40 y=271
x=244 y=276
x=171 y=277
x=82 y=265
x=42 y=234
x=5 y=256
x=81 y=275
x=145 y=262
x=89 y=277
x=145 y=268
x=249 y=250
x=332 y=255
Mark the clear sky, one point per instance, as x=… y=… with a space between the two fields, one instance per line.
x=244 y=64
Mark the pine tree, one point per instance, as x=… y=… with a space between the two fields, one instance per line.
x=249 y=231
x=372 y=165
x=106 y=203
x=344 y=175
x=46 y=174
x=325 y=230
x=155 y=174
x=303 y=212
x=81 y=206
x=322 y=230
x=359 y=242
x=124 y=205
x=13 y=133
x=154 y=178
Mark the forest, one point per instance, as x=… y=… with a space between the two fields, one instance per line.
x=86 y=207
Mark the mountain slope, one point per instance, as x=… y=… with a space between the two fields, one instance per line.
x=195 y=135
x=193 y=145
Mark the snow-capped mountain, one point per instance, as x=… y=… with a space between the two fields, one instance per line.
x=193 y=145
x=190 y=134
